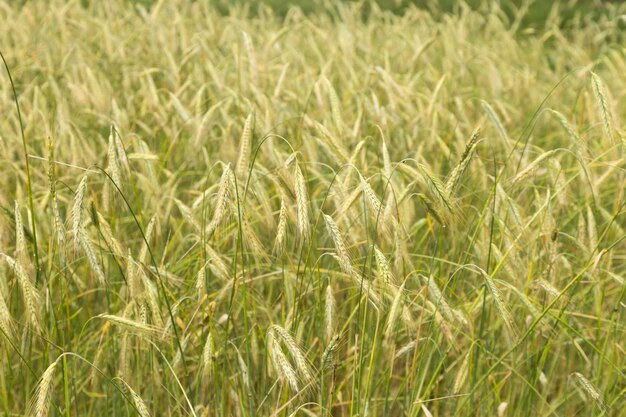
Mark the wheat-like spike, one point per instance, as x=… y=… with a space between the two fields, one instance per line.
x=436 y=187
x=549 y=288
x=124 y=358
x=58 y=224
x=394 y=312
x=329 y=312
x=20 y=238
x=496 y=121
x=134 y=289
x=405 y=349
x=216 y=264
x=120 y=151
x=6 y=322
x=132 y=325
x=372 y=198
x=152 y=297
x=382 y=266
x=78 y=209
x=302 y=365
x=335 y=107
x=187 y=214
x=113 y=159
x=592 y=233
x=590 y=389
x=279 y=83
x=282 y=366
x=200 y=284
x=505 y=314
x=302 y=205
x=386 y=160
x=148 y=236
x=533 y=166
x=29 y=292
x=571 y=132
x=178 y=358
x=430 y=208
x=180 y=108
x=281 y=229
x=85 y=243
x=256 y=247
x=207 y=357
x=249 y=46
x=107 y=233
x=222 y=201
x=603 y=104
x=328 y=357
x=245 y=375
x=342 y=252
x=140 y=405
x=346 y=203
x=40 y=405
x=438 y=299
x=459 y=169
x=461 y=375
x=245 y=144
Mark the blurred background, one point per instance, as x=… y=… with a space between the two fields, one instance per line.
x=536 y=12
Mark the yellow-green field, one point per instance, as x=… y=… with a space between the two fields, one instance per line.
x=334 y=214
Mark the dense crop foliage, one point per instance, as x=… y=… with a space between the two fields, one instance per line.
x=252 y=215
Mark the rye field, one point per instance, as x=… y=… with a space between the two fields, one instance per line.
x=229 y=211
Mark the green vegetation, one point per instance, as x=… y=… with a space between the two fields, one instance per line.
x=265 y=214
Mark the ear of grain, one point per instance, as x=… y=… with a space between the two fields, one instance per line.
x=40 y=403
x=149 y=231
x=140 y=405
x=456 y=174
x=78 y=210
x=58 y=224
x=589 y=389
x=532 y=167
x=201 y=281
x=113 y=159
x=461 y=375
x=328 y=357
x=107 y=234
x=603 y=105
x=152 y=298
x=243 y=368
x=342 y=252
x=222 y=202
x=382 y=266
x=281 y=230
x=329 y=312
x=431 y=209
x=29 y=292
x=89 y=250
x=178 y=358
x=438 y=299
x=495 y=120
x=503 y=310
x=245 y=144
x=335 y=107
x=20 y=239
x=302 y=204
x=133 y=326
x=6 y=322
x=394 y=311
x=282 y=366
x=436 y=187
x=302 y=365
x=207 y=357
